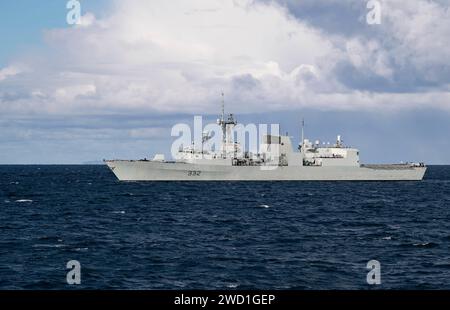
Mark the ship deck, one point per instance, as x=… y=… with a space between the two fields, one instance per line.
x=388 y=166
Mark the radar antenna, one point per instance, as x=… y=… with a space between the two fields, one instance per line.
x=230 y=121
x=223 y=107
x=303 y=137
x=224 y=127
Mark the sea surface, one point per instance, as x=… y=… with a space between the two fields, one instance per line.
x=220 y=235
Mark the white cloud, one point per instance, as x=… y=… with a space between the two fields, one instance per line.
x=71 y=93
x=177 y=56
x=173 y=56
x=86 y=20
x=422 y=28
x=9 y=71
x=369 y=56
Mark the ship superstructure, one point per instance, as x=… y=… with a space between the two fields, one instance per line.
x=276 y=159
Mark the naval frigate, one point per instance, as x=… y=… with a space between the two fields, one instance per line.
x=276 y=161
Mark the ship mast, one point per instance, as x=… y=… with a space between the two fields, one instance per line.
x=224 y=123
x=223 y=107
x=303 y=139
x=224 y=127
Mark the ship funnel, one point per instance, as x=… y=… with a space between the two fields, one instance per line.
x=339 y=141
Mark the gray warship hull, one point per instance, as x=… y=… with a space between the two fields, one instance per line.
x=140 y=170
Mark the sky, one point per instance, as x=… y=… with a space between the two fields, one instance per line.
x=115 y=84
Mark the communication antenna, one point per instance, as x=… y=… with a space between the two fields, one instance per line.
x=224 y=123
x=303 y=137
x=223 y=106
x=224 y=127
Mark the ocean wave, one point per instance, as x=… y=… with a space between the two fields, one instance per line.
x=48 y=245
x=287 y=242
x=426 y=245
x=24 y=200
x=394 y=226
x=119 y=212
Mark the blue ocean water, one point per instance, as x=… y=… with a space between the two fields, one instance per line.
x=220 y=235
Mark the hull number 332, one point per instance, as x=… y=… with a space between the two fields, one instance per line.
x=194 y=173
